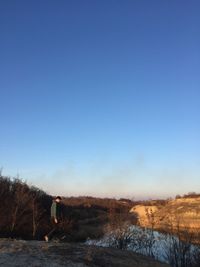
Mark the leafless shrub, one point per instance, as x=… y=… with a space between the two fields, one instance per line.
x=179 y=247
x=119 y=228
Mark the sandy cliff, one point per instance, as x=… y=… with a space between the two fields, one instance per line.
x=183 y=212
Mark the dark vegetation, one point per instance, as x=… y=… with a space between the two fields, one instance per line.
x=25 y=212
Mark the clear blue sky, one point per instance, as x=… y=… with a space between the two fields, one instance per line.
x=101 y=97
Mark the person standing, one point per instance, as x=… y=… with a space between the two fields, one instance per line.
x=56 y=216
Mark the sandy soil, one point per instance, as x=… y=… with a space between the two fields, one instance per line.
x=141 y=212
x=37 y=253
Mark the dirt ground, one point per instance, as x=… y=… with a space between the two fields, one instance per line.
x=38 y=253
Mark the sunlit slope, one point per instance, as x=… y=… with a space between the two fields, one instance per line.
x=182 y=212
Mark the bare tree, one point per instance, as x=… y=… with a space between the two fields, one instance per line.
x=38 y=210
x=20 y=205
x=5 y=198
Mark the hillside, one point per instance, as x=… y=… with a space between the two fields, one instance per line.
x=37 y=253
x=181 y=212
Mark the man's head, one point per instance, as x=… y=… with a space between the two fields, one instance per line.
x=58 y=199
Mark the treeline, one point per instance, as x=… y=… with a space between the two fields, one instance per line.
x=100 y=203
x=189 y=195
x=158 y=202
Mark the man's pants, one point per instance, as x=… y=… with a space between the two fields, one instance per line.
x=56 y=229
